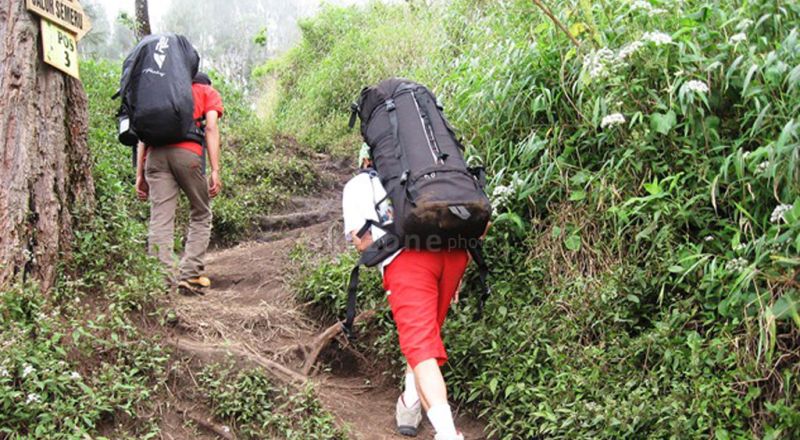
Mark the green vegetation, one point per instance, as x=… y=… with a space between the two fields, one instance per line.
x=260 y=171
x=645 y=245
x=258 y=409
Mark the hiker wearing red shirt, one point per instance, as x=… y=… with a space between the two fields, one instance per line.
x=420 y=285
x=163 y=172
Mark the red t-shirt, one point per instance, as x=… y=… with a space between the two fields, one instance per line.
x=206 y=99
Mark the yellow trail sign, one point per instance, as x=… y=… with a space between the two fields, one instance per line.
x=68 y=14
x=60 y=48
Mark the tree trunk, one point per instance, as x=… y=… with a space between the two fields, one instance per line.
x=142 y=20
x=44 y=156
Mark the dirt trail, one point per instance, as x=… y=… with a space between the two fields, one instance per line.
x=251 y=312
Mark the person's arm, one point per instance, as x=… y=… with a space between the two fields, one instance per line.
x=142 y=188
x=212 y=143
x=353 y=197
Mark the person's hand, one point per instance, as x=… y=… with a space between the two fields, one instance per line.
x=142 y=188
x=214 y=184
x=486 y=231
x=457 y=295
x=364 y=242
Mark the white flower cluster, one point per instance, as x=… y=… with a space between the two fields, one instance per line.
x=75 y=376
x=502 y=194
x=657 y=37
x=744 y=24
x=612 y=119
x=27 y=370
x=696 y=86
x=709 y=238
x=4 y=371
x=33 y=398
x=599 y=63
x=738 y=264
x=641 y=5
x=738 y=38
x=779 y=213
x=740 y=247
x=629 y=49
x=762 y=167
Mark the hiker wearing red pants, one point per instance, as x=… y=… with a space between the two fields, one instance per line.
x=420 y=286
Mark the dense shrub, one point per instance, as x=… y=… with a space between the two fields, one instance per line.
x=258 y=409
x=645 y=245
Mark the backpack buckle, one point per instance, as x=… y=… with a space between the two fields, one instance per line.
x=390 y=106
x=354 y=109
x=348 y=332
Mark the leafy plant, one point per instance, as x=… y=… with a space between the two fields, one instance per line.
x=258 y=409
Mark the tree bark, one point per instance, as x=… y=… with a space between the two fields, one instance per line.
x=142 y=19
x=45 y=164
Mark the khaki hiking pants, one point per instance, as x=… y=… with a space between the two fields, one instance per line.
x=167 y=171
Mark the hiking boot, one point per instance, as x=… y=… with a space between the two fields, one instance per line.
x=458 y=436
x=194 y=286
x=408 y=419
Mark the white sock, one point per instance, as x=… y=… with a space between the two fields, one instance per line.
x=442 y=420
x=410 y=396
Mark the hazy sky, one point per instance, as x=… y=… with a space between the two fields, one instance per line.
x=159 y=7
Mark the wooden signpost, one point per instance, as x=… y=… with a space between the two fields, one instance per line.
x=60 y=48
x=63 y=24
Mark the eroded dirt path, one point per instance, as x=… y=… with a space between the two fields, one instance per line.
x=251 y=313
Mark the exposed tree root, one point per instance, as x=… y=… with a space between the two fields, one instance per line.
x=221 y=430
x=204 y=350
x=312 y=350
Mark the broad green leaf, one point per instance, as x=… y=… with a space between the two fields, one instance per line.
x=653 y=188
x=663 y=122
x=577 y=29
x=573 y=242
x=577 y=196
x=785 y=307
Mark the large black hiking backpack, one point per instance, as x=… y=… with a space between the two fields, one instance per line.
x=439 y=203
x=156 y=90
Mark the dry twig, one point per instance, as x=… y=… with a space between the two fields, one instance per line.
x=557 y=22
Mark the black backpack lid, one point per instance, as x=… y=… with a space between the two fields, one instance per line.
x=372 y=97
x=134 y=58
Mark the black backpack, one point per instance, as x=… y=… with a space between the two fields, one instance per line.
x=438 y=202
x=156 y=90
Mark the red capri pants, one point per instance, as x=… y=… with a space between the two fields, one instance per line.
x=420 y=286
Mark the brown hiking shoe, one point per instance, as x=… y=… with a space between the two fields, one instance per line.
x=194 y=286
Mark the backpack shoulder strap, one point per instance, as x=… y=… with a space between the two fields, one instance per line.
x=476 y=252
x=352 y=287
x=375 y=254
